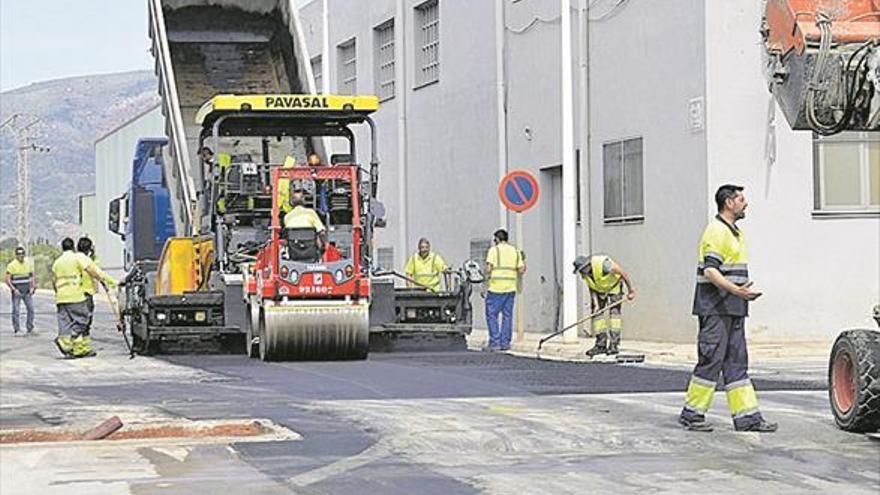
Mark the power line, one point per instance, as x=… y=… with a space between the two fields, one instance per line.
x=24 y=129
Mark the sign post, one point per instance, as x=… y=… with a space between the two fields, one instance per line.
x=519 y=192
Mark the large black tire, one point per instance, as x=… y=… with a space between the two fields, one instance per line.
x=854 y=380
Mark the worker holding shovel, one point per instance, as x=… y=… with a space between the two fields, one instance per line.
x=605 y=278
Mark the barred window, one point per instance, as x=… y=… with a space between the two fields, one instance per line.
x=623 y=181
x=316 y=71
x=428 y=42
x=479 y=248
x=383 y=41
x=846 y=171
x=347 y=61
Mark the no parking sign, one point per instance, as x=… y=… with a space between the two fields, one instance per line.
x=519 y=191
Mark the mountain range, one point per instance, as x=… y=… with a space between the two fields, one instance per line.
x=74 y=112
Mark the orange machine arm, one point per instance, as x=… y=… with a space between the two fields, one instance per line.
x=792 y=23
x=824 y=63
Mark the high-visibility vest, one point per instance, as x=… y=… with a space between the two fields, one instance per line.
x=301 y=217
x=724 y=248
x=284 y=188
x=426 y=271
x=506 y=261
x=69 y=271
x=88 y=283
x=224 y=160
x=599 y=281
x=20 y=272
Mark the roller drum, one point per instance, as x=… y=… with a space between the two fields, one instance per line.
x=314 y=332
x=253 y=328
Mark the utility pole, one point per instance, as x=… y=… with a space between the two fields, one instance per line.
x=569 y=177
x=24 y=128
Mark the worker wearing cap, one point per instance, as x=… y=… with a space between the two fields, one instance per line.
x=86 y=252
x=425 y=267
x=22 y=284
x=605 y=279
x=721 y=304
x=504 y=265
x=70 y=302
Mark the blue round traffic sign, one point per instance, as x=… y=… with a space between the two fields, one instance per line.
x=519 y=191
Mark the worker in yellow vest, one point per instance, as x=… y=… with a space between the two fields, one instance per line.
x=605 y=279
x=425 y=267
x=303 y=217
x=22 y=284
x=70 y=302
x=504 y=265
x=721 y=304
x=224 y=160
x=86 y=252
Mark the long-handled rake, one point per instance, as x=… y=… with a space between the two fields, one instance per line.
x=620 y=358
x=120 y=321
x=579 y=322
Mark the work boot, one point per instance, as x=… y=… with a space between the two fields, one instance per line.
x=690 y=425
x=82 y=347
x=595 y=351
x=65 y=345
x=760 y=427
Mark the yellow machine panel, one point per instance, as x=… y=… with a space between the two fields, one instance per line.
x=287 y=103
x=185 y=265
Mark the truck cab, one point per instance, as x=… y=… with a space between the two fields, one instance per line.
x=142 y=216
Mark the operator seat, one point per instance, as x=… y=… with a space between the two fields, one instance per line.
x=302 y=245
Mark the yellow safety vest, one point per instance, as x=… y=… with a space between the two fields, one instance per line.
x=69 y=271
x=506 y=261
x=426 y=271
x=224 y=160
x=301 y=217
x=722 y=247
x=600 y=282
x=88 y=283
x=19 y=272
x=284 y=187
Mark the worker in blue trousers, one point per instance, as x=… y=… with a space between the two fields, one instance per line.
x=504 y=265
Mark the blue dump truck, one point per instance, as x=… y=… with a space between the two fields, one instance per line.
x=142 y=216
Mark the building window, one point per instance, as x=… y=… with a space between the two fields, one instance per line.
x=846 y=172
x=623 y=181
x=479 y=248
x=428 y=43
x=316 y=71
x=385 y=258
x=383 y=41
x=347 y=60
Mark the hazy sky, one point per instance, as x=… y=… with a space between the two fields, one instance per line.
x=50 y=39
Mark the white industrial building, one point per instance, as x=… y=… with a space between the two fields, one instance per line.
x=114 y=153
x=668 y=101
